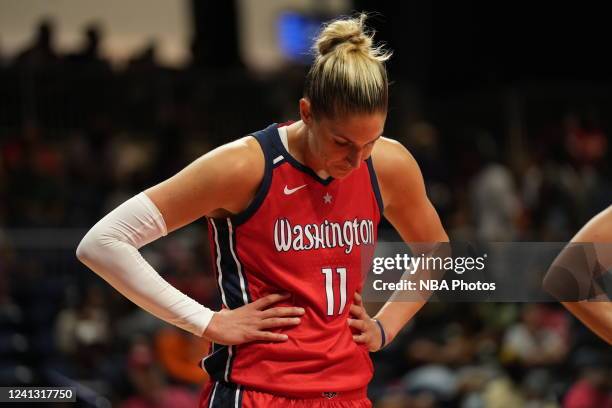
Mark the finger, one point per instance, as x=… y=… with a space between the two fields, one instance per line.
x=278 y=322
x=357 y=324
x=269 y=336
x=359 y=338
x=358 y=299
x=358 y=312
x=266 y=301
x=282 y=312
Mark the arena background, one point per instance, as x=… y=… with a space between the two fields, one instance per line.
x=506 y=108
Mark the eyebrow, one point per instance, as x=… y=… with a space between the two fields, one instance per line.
x=351 y=142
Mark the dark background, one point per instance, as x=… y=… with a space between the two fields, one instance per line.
x=506 y=107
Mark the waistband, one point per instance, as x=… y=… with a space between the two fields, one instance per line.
x=356 y=394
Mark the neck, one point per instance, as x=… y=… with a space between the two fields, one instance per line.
x=300 y=143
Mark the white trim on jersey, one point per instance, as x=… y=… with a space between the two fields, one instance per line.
x=212 y=397
x=277 y=159
x=282 y=132
x=245 y=297
x=230 y=351
x=212 y=222
x=237 y=396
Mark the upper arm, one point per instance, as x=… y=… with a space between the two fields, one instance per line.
x=407 y=206
x=225 y=178
x=596 y=315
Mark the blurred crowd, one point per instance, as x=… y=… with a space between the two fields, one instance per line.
x=78 y=136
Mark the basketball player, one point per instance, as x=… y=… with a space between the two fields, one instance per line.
x=573 y=273
x=292 y=210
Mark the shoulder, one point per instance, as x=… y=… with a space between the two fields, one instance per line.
x=238 y=168
x=235 y=166
x=222 y=181
x=396 y=169
x=241 y=157
x=388 y=154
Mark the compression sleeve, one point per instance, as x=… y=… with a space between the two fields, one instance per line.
x=110 y=249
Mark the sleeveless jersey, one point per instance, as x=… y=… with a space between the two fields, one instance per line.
x=313 y=238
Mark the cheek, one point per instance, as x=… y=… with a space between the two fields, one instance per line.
x=330 y=152
x=337 y=155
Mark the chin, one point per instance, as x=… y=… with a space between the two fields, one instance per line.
x=340 y=174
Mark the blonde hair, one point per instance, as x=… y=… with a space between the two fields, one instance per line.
x=348 y=74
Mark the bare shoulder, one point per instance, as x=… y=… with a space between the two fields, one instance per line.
x=396 y=169
x=389 y=156
x=241 y=157
x=222 y=181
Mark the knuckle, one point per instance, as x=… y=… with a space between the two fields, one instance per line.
x=260 y=314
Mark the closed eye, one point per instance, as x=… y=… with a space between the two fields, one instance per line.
x=340 y=143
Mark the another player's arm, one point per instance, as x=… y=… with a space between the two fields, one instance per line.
x=219 y=183
x=596 y=315
x=411 y=213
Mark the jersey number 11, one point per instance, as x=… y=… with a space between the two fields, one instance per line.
x=329 y=289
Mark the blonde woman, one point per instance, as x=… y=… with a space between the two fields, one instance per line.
x=292 y=210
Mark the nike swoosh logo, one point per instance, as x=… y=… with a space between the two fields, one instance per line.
x=289 y=191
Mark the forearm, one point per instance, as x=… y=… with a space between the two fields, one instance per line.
x=400 y=308
x=110 y=249
x=597 y=316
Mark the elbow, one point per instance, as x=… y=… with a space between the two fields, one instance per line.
x=548 y=284
x=563 y=285
x=569 y=278
x=90 y=247
x=83 y=251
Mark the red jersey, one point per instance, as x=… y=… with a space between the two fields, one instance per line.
x=310 y=237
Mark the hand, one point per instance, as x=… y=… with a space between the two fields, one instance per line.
x=370 y=334
x=251 y=322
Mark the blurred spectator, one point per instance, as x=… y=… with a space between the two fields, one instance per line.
x=593 y=388
x=536 y=388
x=180 y=353
x=41 y=53
x=502 y=393
x=423 y=142
x=34 y=184
x=79 y=136
x=494 y=197
x=430 y=385
x=585 y=140
x=84 y=332
x=149 y=382
x=531 y=343
x=90 y=54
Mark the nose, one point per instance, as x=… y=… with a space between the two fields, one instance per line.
x=355 y=157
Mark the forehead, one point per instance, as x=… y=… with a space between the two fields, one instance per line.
x=356 y=128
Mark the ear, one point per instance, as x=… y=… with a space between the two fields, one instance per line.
x=305 y=112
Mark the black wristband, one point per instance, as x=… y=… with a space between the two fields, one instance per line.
x=382 y=334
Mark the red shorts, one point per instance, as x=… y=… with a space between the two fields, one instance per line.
x=228 y=395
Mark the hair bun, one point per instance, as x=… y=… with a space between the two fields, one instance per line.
x=348 y=32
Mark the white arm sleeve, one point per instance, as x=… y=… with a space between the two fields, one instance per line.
x=110 y=249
